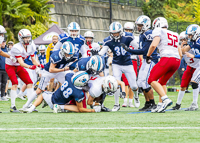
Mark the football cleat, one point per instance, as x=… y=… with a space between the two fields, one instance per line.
x=146 y=106
x=44 y=104
x=152 y=106
x=136 y=101
x=124 y=104
x=116 y=108
x=155 y=110
x=177 y=107
x=21 y=97
x=27 y=110
x=105 y=109
x=4 y=98
x=193 y=107
x=14 y=109
x=23 y=110
x=166 y=102
x=130 y=105
x=56 y=108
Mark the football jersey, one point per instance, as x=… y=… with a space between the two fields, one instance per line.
x=120 y=56
x=134 y=45
x=168 y=46
x=67 y=92
x=85 y=49
x=42 y=59
x=192 y=62
x=77 y=42
x=95 y=85
x=57 y=59
x=18 y=50
x=28 y=60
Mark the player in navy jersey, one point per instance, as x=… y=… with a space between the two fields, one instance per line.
x=74 y=37
x=70 y=92
x=42 y=55
x=193 y=33
x=56 y=68
x=121 y=59
x=143 y=24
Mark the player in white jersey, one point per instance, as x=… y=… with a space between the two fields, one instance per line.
x=167 y=43
x=100 y=86
x=193 y=33
x=89 y=46
x=192 y=65
x=21 y=51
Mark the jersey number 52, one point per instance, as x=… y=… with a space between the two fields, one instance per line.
x=173 y=40
x=66 y=91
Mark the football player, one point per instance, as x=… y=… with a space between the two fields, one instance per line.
x=167 y=43
x=143 y=24
x=56 y=68
x=42 y=55
x=70 y=91
x=21 y=51
x=193 y=33
x=121 y=59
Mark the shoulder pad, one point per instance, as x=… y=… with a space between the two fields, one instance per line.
x=128 y=34
x=63 y=36
x=106 y=39
x=148 y=35
x=82 y=38
x=55 y=57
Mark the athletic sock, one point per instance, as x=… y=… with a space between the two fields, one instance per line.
x=164 y=97
x=135 y=93
x=20 y=93
x=31 y=97
x=13 y=95
x=116 y=95
x=62 y=106
x=195 y=95
x=130 y=100
x=125 y=100
x=159 y=103
x=152 y=101
x=180 y=97
x=32 y=108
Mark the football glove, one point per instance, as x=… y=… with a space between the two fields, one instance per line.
x=122 y=95
x=14 y=60
x=94 y=52
x=97 y=108
x=148 y=59
x=41 y=66
x=124 y=46
x=33 y=67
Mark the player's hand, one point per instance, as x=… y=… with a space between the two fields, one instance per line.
x=94 y=52
x=148 y=59
x=14 y=60
x=189 y=55
x=124 y=46
x=33 y=67
x=66 y=68
x=122 y=95
x=41 y=66
x=97 y=108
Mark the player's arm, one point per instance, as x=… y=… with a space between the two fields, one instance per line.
x=57 y=46
x=103 y=50
x=2 y=53
x=185 y=48
x=53 y=69
x=180 y=52
x=90 y=101
x=154 y=44
x=83 y=110
x=83 y=51
x=34 y=61
x=21 y=62
x=121 y=83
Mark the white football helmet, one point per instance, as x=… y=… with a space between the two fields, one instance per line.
x=2 y=31
x=182 y=35
x=160 y=22
x=42 y=48
x=95 y=64
x=129 y=26
x=145 y=21
x=89 y=34
x=110 y=84
x=192 y=30
x=80 y=79
x=116 y=27
x=67 y=48
x=73 y=26
x=24 y=33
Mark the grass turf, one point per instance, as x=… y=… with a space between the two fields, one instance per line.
x=46 y=119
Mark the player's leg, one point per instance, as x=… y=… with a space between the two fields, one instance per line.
x=11 y=71
x=117 y=74
x=21 y=92
x=195 y=86
x=131 y=94
x=131 y=76
x=124 y=79
x=186 y=78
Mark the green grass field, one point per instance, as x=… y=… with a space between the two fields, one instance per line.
x=100 y=127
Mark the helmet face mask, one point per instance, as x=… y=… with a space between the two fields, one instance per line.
x=88 y=40
x=110 y=84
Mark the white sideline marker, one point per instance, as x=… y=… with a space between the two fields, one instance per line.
x=114 y=128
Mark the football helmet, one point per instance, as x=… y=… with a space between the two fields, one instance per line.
x=182 y=36
x=67 y=48
x=145 y=21
x=116 y=27
x=95 y=64
x=23 y=33
x=160 y=22
x=129 y=26
x=42 y=48
x=192 y=30
x=73 y=26
x=87 y=35
x=110 y=84
x=80 y=79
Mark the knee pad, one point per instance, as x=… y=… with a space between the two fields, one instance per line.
x=134 y=87
x=147 y=90
x=194 y=85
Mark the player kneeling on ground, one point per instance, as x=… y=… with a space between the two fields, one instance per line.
x=70 y=90
x=100 y=86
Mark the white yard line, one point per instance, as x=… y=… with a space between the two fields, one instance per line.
x=112 y=128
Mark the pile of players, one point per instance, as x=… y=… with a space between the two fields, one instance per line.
x=78 y=63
